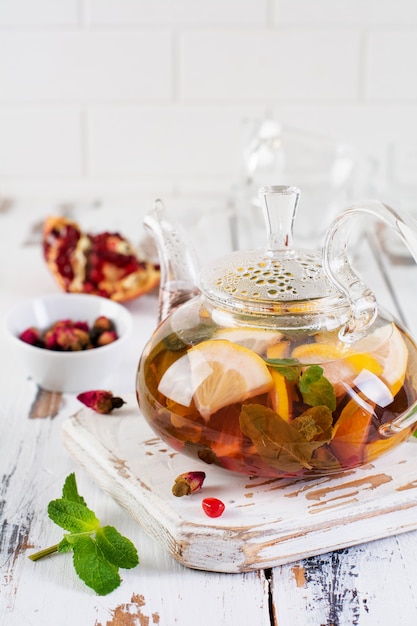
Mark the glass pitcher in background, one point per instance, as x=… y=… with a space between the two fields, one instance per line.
x=330 y=173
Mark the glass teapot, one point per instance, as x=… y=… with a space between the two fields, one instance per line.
x=277 y=362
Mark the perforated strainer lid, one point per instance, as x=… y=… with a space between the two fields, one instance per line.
x=276 y=279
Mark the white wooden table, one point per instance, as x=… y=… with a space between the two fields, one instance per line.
x=369 y=584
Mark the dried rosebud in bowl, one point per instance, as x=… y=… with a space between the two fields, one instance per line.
x=72 y=362
x=100 y=400
x=67 y=336
x=33 y=337
x=102 y=324
x=106 y=337
x=188 y=483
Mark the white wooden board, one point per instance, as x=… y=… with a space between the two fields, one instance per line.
x=267 y=522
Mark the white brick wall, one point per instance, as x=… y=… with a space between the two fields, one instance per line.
x=148 y=97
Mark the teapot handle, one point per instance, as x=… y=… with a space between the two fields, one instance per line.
x=336 y=263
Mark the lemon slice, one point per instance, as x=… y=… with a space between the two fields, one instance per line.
x=322 y=352
x=339 y=362
x=256 y=339
x=279 y=350
x=236 y=374
x=214 y=374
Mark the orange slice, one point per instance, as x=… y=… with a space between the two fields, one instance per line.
x=281 y=395
x=350 y=432
x=375 y=448
x=215 y=373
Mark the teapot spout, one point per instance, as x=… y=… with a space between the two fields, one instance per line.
x=178 y=261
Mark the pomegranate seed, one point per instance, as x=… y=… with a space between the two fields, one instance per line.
x=213 y=507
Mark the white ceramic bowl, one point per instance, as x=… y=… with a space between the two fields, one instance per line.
x=69 y=372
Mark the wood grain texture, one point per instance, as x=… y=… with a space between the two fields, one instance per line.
x=267 y=522
x=359 y=585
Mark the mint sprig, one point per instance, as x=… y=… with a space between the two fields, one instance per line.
x=316 y=389
x=98 y=551
x=290 y=368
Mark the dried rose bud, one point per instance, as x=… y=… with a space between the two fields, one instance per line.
x=62 y=324
x=106 y=337
x=67 y=335
x=66 y=338
x=82 y=326
x=32 y=336
x=100 y=401
x=100 y=326
x=103 y=323
x=188 y=483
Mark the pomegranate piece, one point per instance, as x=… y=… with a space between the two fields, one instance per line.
x=104 y=264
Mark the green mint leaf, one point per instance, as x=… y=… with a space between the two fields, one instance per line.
x=72 y=516
x=70 y=491
x=64 y=545
x=290 y=368
x=288 y=446
x=117 y=549
x=276 y=440
x=93 y=568
x=315 y=424
x=96 y=559
x=316 y=389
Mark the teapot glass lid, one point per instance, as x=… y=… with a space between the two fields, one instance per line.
x=276 y=279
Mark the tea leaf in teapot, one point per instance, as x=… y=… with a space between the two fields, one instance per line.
x=316 y=389
x=315 y=424
x=276 y=441
x=323 y=458
x=186 y=337
x=173 y=342
x=290 y=368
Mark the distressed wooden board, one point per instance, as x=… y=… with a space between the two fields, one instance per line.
x=267 y=522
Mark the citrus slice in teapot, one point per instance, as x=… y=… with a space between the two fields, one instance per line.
x=277 y=362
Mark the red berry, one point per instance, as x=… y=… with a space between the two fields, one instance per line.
x=212 y=507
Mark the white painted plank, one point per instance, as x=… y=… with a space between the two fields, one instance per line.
x=370 y=585
x=266 y=522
